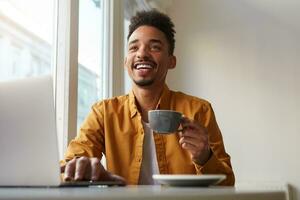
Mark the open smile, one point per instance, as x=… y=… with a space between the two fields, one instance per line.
x=144 y=65
x=144 y=68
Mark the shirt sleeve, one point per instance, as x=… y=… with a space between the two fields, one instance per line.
x=90 y=140
x=219 y=162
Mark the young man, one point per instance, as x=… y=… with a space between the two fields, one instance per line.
x=118 y=127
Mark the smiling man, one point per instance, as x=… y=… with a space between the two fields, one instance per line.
x=119 y=129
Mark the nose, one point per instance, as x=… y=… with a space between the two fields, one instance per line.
x=142 y=53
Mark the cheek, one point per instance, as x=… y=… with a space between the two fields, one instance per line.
x=129 y=61
x=164 y=64
x=162 y=58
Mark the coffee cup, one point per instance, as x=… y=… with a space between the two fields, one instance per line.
x=164 y=121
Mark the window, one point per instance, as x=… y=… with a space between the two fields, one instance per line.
x=25 y=40
x=76 y=40
x=90 y=47
x=100 y=53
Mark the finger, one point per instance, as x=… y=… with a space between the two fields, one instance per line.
x=191 y=133
x=188 y=123
x=198 y=143
x=113 y=177
x=70 y=170
x=189 y=147
x=119 y=179
x=96 y=168
x=107 y=176
x=180 y=134
x=62 y=168
x=82 y=168
x=196 y=134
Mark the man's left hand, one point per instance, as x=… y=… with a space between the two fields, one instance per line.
x=194 y=138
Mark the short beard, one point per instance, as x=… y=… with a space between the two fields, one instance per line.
x=143 y=83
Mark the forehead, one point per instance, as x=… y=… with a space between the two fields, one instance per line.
x=147 y=33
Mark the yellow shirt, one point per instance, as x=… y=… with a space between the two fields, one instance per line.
x=114 y=127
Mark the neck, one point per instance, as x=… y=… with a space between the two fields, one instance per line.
x=147 y=99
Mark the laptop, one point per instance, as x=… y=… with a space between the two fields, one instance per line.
x=28 y=140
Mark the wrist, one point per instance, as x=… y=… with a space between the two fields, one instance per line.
x=204 y=157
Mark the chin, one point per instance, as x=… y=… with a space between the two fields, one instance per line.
x=144 y=83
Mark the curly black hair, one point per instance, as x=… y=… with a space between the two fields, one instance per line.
x=156 y=19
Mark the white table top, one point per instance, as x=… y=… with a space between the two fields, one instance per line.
x=144 y=192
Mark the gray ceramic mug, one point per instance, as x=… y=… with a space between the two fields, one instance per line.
x=164 y=121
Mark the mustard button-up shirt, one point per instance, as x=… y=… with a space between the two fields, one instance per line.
x=114 y=128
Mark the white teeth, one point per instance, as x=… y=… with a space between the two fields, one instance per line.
x=143 y=66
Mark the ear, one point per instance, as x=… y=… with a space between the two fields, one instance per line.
x=172 y=62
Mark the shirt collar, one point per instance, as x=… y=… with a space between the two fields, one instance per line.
x=163 y=103
x=132 y=105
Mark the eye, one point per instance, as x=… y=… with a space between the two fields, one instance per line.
x=133 y=48
x=155 y=47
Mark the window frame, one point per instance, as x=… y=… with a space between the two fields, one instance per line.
x=66 y=70
x=65 y=62
x=114 y=43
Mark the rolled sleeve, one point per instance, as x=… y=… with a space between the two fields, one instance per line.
x=90 y=140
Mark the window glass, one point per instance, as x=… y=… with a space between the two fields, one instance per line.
x=25 y=39
x=90 y=48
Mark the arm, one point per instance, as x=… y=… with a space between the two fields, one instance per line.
x=203 y=139
x=83 y=155
x=90 y=140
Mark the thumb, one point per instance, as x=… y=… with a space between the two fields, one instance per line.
x=62 y=168
x=117 y=178
x=113 y=177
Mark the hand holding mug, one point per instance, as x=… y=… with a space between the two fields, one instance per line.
x=193 y=136
x=194 y=139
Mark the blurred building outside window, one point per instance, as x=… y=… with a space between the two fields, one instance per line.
x=26 y=45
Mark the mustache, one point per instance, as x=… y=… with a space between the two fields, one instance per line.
x=144 y=61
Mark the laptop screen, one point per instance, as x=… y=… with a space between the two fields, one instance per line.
x=28 y=140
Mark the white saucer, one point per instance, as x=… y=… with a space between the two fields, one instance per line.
x=189 y=180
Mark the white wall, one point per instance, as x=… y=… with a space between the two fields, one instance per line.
x=244 y=57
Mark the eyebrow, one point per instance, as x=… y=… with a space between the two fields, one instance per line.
x=132 y=42
x=155 y=41
x=151 y=41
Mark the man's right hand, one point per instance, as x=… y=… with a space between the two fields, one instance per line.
x=84 y=168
